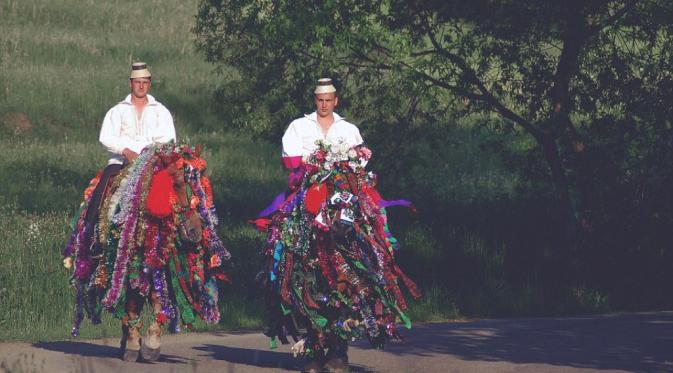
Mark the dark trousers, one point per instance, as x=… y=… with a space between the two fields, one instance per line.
x=93 y=210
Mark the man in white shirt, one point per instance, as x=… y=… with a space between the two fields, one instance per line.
x=134 y=123
x=299 y=141
x=131 y=125
x=324 y=124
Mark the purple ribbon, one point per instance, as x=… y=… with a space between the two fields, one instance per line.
x=273 y=206
x=397 y=202
x=280 y=198
x=290 y=205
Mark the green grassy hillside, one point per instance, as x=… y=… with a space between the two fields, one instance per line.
x=63 y=64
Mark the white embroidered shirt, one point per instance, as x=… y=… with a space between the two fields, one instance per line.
x=300 y=137
x=124 y=128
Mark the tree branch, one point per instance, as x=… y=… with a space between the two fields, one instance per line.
x=424 y=53
x=595 y=28
x=485 y=95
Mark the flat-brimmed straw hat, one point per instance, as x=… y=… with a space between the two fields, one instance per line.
x=139 y=70
x=324 y=86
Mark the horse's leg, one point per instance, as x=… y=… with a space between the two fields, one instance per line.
x=316 y=362
x=152 y=344
x=131 y=325
x=337 y=354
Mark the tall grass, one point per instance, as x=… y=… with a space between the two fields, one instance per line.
x=65 y=62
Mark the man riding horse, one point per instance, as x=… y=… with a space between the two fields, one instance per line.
x=147 y=227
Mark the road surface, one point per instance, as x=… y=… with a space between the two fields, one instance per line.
x=636 y=342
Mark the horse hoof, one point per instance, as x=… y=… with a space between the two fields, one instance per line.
x=130 y=355
x=150 y=354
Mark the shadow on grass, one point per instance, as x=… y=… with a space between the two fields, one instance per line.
x=92 y=350
x=261 y=358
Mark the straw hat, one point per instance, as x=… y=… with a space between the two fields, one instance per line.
x=324 y=86
x=139 y=70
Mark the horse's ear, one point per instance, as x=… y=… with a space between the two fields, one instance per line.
x=197 y=151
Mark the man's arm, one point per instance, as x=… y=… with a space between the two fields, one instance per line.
x=357 y=136
x=111 y=139
x=109 y=133
x=292 y=146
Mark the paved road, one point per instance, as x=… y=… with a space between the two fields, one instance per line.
x=641 y=342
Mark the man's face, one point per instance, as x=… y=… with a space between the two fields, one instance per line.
x=140 y=87
x=325 y=104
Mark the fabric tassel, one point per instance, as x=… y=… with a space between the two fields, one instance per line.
x=287 y=273
x=323 y=260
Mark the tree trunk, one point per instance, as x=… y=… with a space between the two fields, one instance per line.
x=566 y=207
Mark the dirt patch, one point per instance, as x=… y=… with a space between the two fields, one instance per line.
x=17 y=123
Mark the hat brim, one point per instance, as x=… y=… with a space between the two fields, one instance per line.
x=144 y=73
x=324 y=89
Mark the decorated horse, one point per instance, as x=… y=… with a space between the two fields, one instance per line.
x=328 y=262
x=155 y=241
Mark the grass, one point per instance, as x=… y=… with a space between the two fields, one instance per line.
x=64 y=63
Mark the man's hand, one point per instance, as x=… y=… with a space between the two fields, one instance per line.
x=129 y=154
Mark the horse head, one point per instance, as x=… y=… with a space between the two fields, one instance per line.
x=171 y=190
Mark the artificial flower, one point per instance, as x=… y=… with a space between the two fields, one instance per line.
x=215 y=261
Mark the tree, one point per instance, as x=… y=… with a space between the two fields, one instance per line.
x=553 y=69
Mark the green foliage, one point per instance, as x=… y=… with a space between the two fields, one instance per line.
x=420 y=50
x=537 y=131
x=30 y=266
x=436 y=305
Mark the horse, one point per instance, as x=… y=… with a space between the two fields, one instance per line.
x=154 y=242
x=329 y=259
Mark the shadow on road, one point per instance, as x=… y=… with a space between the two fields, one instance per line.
x=261 y=358
x=258 y=358
x=634 y=342
x=84 y=349
x=80 y=348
